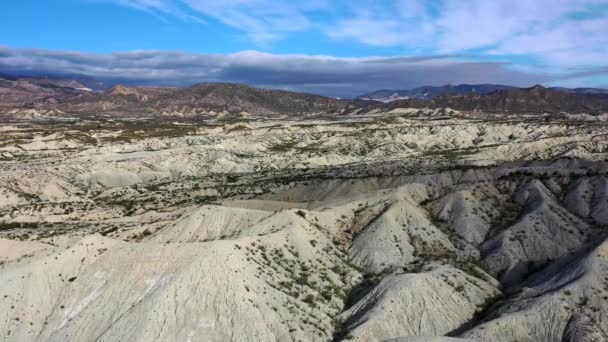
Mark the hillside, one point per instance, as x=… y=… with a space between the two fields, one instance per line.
x=17 y=92
x=199 y=99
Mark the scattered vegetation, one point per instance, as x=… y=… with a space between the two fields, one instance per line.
x=285 y=146
x=15 y=225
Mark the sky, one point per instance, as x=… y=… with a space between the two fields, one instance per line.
x=335 y=48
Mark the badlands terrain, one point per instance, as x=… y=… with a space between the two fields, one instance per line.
x=352 y=222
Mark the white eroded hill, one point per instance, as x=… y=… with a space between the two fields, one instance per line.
x=389 y=227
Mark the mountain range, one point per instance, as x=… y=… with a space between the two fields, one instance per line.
x=537 y=99
x=198 y=99
x=431 y=92
x=71 y=96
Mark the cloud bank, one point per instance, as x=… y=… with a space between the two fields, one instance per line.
x=513 y=42
x=326 y=75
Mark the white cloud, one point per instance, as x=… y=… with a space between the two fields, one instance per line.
x=160 y=7
x=261 y=20
x=559 y=32
x=564 y=33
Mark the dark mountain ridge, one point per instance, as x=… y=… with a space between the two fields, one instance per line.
x=537 y=99
x=73 y=97
x=198 y=99
x=432 y=92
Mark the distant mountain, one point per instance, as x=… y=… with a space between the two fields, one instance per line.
x=581 y=90
x=117 y=100
x=74 y=97
x=236 y=98
x=537 y=99
x=16 y=91
x=429 y=93
x=62 y=83
x=206 y=98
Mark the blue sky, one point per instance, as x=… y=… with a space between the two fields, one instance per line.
x=328 y=45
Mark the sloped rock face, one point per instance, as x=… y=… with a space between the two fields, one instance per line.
x=566 y=301
x=382 y=228
x=545 y=231
x=431 y=303
x=107 y=290
x=396 y=236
